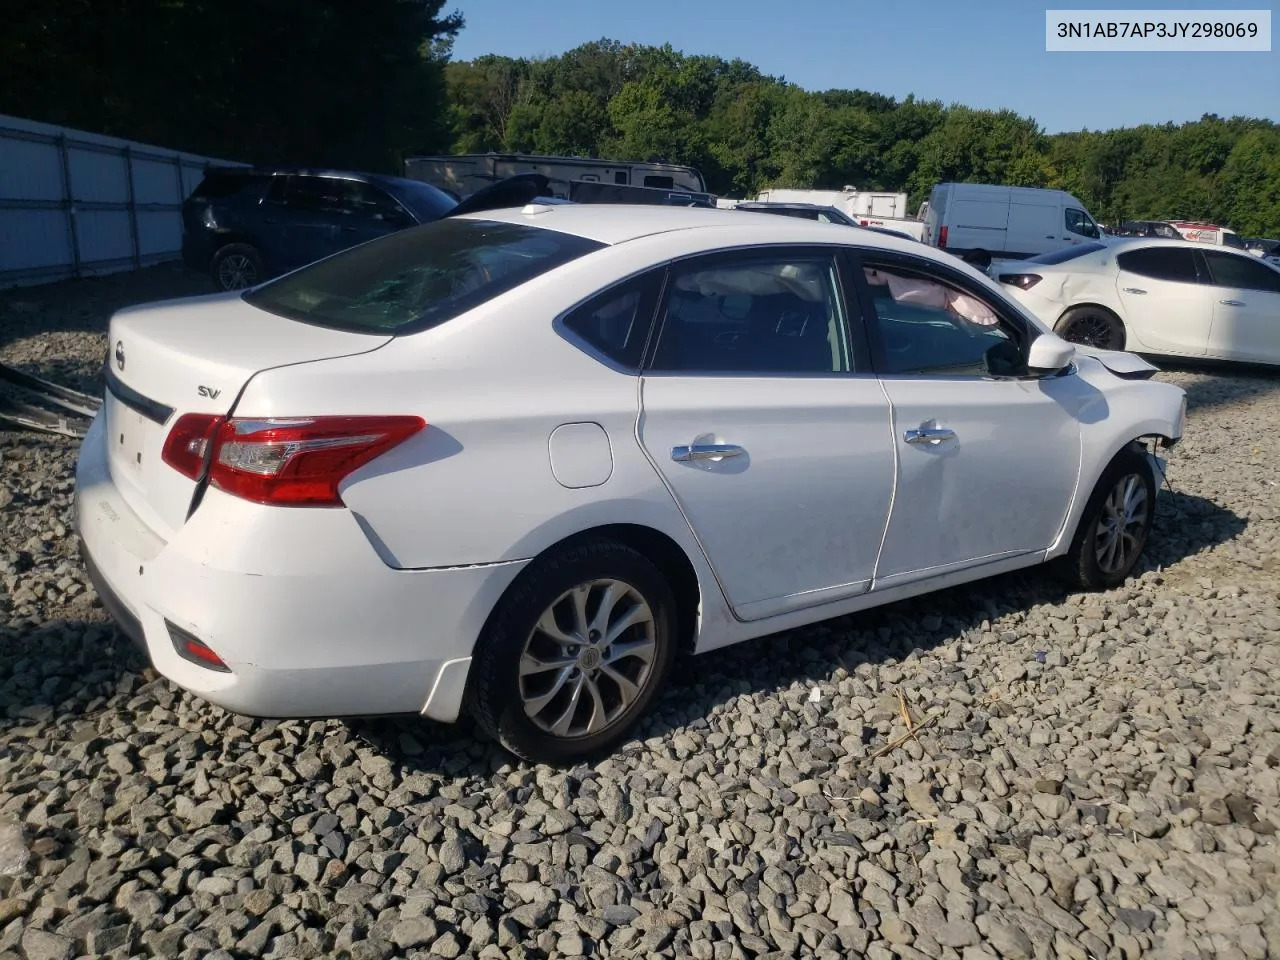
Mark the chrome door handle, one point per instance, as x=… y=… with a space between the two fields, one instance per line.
x=1134 y=290
x=705 y=451
x=930 y=436
x=1232 y=303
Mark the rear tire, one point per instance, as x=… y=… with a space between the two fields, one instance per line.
x=1091 y=326
x=237 y=266
x=1115 y=525
x=557 y=677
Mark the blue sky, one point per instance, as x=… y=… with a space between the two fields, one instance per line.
x=982 y=53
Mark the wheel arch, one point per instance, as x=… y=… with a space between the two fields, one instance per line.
x=662 y=550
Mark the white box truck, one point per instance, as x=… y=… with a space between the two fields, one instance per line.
x=979 y=222
x=868 y=208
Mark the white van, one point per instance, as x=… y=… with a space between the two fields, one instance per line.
x=981 y=221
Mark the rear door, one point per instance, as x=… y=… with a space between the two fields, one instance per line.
x=1246 y=307
x=302 y=219
x=1164 y=300
x=762 y=416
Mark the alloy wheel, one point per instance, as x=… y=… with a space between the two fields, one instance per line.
x=236 y=272
x=1119 y=532
x=587 y=659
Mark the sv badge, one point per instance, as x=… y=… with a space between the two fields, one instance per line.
x=209 y=392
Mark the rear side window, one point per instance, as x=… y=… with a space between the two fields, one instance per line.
x=1066 y=253
x=1176 y=264
x=418 y=278
x=617 y=321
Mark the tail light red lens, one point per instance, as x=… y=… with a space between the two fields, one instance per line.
x=296 y=461
x=1024 y=281
x=942 y=237
x=188 y=443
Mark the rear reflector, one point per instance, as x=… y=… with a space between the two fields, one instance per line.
x=295 y=461
x=192 y=650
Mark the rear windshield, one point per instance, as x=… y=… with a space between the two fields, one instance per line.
x=215 y=186
x=1066 y=253
x=420 y=277
x=423 y=199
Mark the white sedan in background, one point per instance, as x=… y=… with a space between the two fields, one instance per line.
x=1162 y=297
x=514 y=462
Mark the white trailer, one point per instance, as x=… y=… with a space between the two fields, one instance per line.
x=869 y=208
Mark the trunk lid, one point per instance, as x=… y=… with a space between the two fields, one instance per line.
x=192 y=356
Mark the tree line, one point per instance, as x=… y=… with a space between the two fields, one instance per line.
x=327 y=82
x=746 y=130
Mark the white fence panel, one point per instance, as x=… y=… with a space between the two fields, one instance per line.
x=75 y=204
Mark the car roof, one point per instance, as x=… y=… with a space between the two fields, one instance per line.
x=269 y=171
x=1165 y=243
x=614 y=223
x=780 y=205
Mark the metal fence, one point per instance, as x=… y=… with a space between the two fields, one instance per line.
x=75 y=204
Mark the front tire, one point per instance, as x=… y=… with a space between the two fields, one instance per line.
x=1091 y=327
x=1115 y=524
x=574 y=654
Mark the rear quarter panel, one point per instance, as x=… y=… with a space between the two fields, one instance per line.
x=477 y=485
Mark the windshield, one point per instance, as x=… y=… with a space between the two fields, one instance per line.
x=418 y=278
x=1066 y=253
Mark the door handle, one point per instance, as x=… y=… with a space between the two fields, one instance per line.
x=705 y=451
x=931 y=436
x=1134 y=290
x=1232 y=303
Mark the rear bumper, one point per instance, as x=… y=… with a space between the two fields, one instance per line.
x=296 y=602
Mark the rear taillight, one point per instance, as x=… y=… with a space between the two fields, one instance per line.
x=942 y=237
x=295 y=461
x=1024 y=281
x=188 y=442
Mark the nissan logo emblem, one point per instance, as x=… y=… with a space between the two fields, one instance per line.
x=119 y=354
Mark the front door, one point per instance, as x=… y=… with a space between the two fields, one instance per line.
x=770 y=435
x=988 y=462
x=1246 y=307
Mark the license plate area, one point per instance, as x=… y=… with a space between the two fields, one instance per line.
x=128 y=438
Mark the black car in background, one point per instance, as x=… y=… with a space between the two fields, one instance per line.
x=246 y=225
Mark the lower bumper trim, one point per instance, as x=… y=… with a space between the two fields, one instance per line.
x=125 y=621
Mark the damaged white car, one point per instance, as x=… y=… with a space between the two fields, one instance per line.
x=1161 y=297
x=514 y=462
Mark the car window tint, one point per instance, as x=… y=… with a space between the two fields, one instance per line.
x=766 y=315
x=1242 y=271
x=418 y=278
x=1176 y=264
x=617 y=321
x=927 y=326
x=316 y=193
x=368 y=201
x=1232 y=240
x=1078 y=222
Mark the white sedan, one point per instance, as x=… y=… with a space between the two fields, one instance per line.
x=1161 y=297
x=515 y=462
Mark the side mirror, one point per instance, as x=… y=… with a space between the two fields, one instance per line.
x=1049 y=353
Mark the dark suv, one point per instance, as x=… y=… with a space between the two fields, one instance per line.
x=245 y=225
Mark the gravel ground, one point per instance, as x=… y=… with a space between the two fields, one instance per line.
x=1100 y=776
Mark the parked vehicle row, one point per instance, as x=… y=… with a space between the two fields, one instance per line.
x=1162 y=297
x=501 y=461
